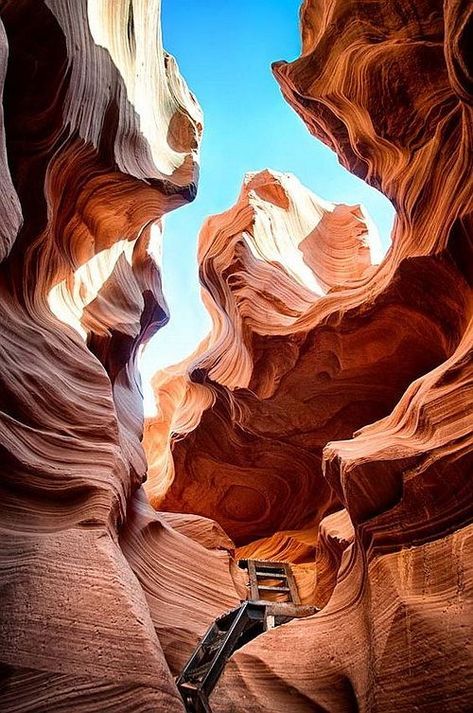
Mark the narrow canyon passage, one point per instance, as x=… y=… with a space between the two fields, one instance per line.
x=299 y=499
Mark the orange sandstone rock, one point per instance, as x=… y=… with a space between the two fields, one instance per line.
x=99 y=138
x=292 y=362
x=388 y=86
x=326 y=418
x=342 y=406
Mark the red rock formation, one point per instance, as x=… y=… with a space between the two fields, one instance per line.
x=378 y=83
x=354 y=399
x=99 y=139
x=188 y=579
x=288 y=366
x=325 y=418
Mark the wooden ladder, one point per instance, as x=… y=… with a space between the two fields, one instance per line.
x=268 y=578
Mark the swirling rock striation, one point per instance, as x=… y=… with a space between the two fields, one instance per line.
x=99 y=138
x=290 y=363
x=324 y=420
x=329 y=420
x=388 y=86
x=265 y=265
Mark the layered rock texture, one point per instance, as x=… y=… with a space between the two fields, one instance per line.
x=258 y=382
x=99 y=138
x=326 y=420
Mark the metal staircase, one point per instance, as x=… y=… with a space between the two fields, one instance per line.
x=225 y=636
x=273 y=600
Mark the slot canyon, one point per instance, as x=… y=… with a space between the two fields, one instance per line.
x=325 y=421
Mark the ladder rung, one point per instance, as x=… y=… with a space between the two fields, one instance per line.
x=270 y=575
x=273 y=589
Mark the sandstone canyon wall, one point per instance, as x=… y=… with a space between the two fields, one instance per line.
x=326 y=419
x=99 y=139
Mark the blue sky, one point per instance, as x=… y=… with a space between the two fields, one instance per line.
x=224 y=51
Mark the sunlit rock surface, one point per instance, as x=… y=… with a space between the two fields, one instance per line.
x=290 y=364
x=99 y=138
x=327 y=419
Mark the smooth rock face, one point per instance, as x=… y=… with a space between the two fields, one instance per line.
x=292 y=363
x=262 y=296
x=99 y=138
x=327 y=417
x=325 y=420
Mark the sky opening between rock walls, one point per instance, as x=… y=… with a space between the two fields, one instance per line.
x=225 y=51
